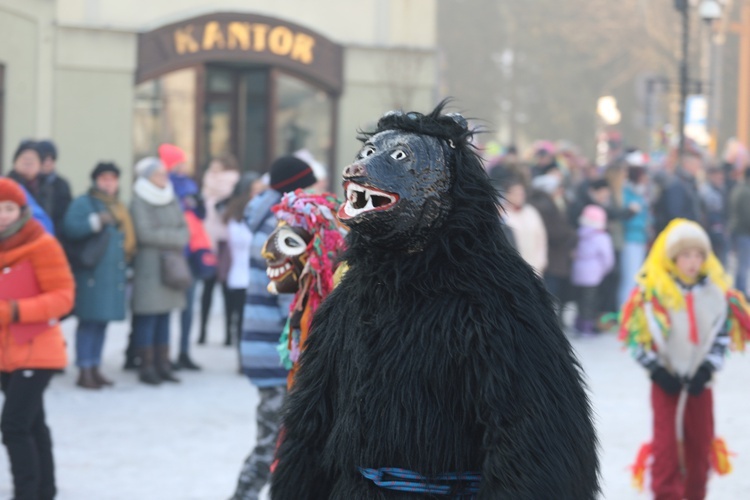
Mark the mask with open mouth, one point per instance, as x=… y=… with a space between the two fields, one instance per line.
x=397 y=190
x=286 y=253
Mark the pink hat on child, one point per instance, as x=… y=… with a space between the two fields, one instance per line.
x=593 y=216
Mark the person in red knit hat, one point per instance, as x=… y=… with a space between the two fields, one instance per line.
x=172 y=156
x=36 y=289
x=188 y=194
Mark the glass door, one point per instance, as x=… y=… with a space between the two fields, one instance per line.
x=257 y=113
x=219 y=117
x=254 y=119
x=235 y=119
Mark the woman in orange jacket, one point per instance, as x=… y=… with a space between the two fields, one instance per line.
x=36 y=288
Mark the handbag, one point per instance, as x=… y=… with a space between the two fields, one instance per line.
x=175 y=272
x=88 y=252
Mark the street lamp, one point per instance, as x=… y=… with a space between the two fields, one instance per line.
x=683 y=8
x=710 y=10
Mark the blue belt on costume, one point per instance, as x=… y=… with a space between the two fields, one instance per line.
x=464 y=485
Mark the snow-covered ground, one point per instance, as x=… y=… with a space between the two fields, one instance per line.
x=620 y=394
x=187 y=441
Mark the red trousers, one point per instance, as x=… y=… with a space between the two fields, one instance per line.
x=668 y=481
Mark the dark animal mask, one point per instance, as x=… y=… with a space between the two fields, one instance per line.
x=286 y=253
x=398 y=188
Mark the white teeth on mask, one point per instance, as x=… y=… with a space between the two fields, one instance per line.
x=275 y=272
x=352 y=191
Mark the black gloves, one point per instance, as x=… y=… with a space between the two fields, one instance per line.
x=668 y=382
x=700 y=379
x=671 y=384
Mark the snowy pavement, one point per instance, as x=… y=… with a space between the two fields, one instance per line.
x=187 y=441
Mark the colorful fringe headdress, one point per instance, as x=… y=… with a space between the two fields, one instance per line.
x=315 y=213
x=656 y=276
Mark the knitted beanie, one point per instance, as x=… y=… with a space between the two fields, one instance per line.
x=104 y=167
x=170 y=155
x=11 y=191
x=47 y=149
x=289 y=173
x=27 y=145
x=147 y=166
x=687 y=235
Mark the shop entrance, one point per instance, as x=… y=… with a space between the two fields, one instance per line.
x=213 y=85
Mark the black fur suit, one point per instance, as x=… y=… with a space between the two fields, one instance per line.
x=440 y=350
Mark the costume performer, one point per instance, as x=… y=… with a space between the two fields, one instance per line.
x=264 y=318
x=437 y=367
x=679 y=322
x=303 y=257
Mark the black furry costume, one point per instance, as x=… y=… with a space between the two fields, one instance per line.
x=440 y=350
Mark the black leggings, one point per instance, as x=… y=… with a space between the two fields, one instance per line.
x=206 y=300
x=588 y=302
x=26 y=435
x=235 y=313
x=607 y=300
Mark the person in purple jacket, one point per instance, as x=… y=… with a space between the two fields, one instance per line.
x=594 y=259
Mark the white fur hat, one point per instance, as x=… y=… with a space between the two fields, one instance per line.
x=685 y=235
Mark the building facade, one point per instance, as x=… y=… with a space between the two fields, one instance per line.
x=112 y=80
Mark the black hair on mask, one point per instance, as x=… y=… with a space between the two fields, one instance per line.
x=451 y=128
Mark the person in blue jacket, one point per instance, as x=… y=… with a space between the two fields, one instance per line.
x=100 y=291
x=265 y=315
x=38 y=213
x=636 y=229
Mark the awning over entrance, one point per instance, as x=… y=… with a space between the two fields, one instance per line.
x=244 y=38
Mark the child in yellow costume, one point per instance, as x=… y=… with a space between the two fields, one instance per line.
x=679 y=322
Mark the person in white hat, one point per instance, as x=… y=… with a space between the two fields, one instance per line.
x=679 y=323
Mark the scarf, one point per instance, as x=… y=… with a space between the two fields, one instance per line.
x=122 y=216
x=16 y=226
x=153 y=194
x=21 y=232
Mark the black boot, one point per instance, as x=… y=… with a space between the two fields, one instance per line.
x=147 y=371
x=163 y=365
x=132 y=358
x=131 y=363
x=228 y=326
x=185 y=363
x=206 y=299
